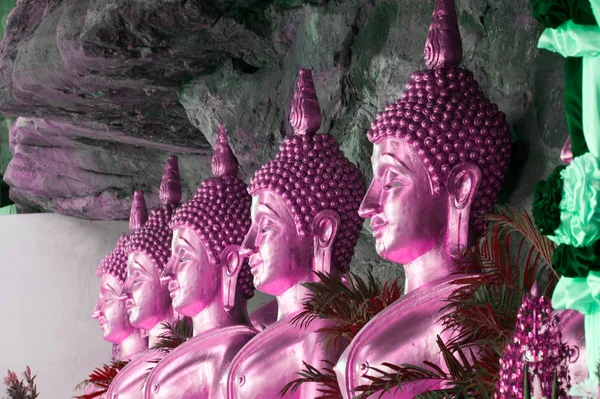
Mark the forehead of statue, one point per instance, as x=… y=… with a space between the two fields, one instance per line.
x=268 y=204
x=398 y=154
x=110 y=284
x=188 y=239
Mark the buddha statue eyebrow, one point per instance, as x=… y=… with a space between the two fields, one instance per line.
x=186 y=243
x=268 y=209
x=396 y=161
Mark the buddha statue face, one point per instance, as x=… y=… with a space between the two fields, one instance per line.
x=279 y=256
x=148 y=301
x=406 y=218
x=110 y=311
x=192 y=279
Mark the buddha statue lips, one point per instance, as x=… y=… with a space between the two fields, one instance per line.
x=147 y=301
x=207 y=281
x=304 y=219
x=440 y=157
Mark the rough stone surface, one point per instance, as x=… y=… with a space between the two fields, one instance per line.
x=88 y=173
x=92 y=75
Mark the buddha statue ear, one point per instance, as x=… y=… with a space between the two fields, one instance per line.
x=325 y=228
x=463 y=183
x=231 y=263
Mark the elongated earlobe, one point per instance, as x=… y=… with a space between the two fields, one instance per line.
x=325 y=228
x=231 y=262
x=463 y=183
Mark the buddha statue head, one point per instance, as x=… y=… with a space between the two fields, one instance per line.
x=148 y=251
x=205 y=268
x=305 y=202
x=111 y=310
x=440 y=156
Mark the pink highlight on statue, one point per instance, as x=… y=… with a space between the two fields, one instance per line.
x=440 y=157
x=304 y=219
x=208 y=281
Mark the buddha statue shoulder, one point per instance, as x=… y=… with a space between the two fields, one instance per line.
x=304 y=219
x=146 y=299
x=440 y=155
x=209 y=282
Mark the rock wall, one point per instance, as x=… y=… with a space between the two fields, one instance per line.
x=107 y=89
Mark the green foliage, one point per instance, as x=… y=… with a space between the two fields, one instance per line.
x=349 y=306
x=327 y=378
x=20 y=389
x=174 y=335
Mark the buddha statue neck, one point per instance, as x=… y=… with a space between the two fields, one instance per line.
x=215 y=316
x=134 y=344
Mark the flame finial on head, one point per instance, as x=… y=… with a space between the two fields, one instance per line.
x=224 y=162
x=443 y=49
x=305 y=116
x=139 y=211
x=170 y=186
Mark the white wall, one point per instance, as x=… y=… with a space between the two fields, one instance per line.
x=48 y=289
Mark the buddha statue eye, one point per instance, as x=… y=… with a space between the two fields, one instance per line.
x=266 y=229
x=393 y=184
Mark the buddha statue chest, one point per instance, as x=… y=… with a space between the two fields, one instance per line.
x=194 y=369
x=403 y=333
x=129 y=382
x=274 y=357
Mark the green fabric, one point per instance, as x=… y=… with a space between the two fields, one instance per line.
x=570 y=261
x=575 y=40
x=581 y=13
x=573 y=83
x=550 y=13
x=580 y=204
x=583 y=295
x=547 y=195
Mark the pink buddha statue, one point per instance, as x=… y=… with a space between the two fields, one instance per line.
x=147 y=300
x=304 y=219
x=110 y=310
x=439 y=161
x=209 y=282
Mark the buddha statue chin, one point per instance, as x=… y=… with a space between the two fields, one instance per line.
x=304 y=220
x=147 y=301
x=209 y=282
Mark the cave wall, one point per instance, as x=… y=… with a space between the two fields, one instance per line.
x=106 y=89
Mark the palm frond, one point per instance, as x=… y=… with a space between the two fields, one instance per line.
x=326 y=378
x=461 y=381
x=101 y=378
x=349 y=307
x=174 y=335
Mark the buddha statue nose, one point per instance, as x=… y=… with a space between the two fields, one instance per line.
x=370 y=205
x=249 y=247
